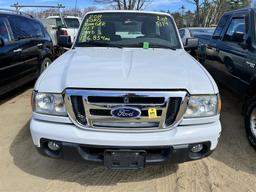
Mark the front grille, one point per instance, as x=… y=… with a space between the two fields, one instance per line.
x=92 y=108
x=172 y=110
x=131 y=100
x=107 y=112
x=78 y=108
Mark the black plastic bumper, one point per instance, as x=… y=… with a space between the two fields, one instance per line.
x=159 y=154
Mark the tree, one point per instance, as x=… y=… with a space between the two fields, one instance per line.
x=208 y=12
x=125 y=4
x=178 y=19
x=216 y=8
x=197 y=4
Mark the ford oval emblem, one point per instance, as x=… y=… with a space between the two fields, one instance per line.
x=125 y=112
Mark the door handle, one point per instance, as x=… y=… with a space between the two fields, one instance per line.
x=252 y=65
x=17 y=50
x=212 y=48
x=39 y=44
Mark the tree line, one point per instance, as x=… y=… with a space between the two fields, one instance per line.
x=206 y=14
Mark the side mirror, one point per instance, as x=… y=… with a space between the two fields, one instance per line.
x=1 y=42
x=238 y=37
x=64 y=41
x=247 y=44
x=191 y=43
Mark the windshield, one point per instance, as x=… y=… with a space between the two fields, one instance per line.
x=68 y=22
x=128 y=30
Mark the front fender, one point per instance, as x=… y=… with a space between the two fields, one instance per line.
x=46 y=52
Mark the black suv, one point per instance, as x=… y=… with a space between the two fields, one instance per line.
x=26 y=49
x=230 y=56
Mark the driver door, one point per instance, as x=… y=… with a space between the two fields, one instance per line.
x=10 y=52
x=232 y=54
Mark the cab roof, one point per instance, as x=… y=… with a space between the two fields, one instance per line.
x=240 y=10
x=13 y=12
x=129 y=11
x=56 y=16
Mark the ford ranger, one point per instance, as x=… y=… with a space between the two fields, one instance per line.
x=127 y=94
x=230 y=56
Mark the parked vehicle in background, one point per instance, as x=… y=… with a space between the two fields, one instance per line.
x=67 y=26
x=26 y=50
x=230 y=56
x=202 y=34
x=126 y=94
x=59 y=26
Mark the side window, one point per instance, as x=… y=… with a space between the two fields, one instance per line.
x=59 y=22
x=46 y=34
x=21 y=27
x=236 y=30
x=37 y=29
x=219 y=28
x=5 y=32
x=182 y=33
x=24 y=28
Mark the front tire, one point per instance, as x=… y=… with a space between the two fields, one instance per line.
x=250 y=121
x=44 y=64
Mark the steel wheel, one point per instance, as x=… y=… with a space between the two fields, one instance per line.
x=45 y=63
x=253 y=121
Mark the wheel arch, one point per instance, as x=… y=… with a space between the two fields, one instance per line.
x=250 y=92
x=46 y=52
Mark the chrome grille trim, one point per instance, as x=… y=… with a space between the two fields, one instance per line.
x=127 y=125
x=94 y=120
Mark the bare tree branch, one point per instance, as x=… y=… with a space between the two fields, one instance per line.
x=125 y=4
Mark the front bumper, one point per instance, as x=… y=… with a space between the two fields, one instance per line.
x=171 y=145
x=154 y=155
x=170 y=137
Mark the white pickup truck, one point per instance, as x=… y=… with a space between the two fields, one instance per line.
x=69 y=27
x=126 y=94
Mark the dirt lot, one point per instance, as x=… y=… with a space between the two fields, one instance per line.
x=232 y=167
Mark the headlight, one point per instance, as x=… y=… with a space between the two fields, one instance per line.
x=49 y=103
x=203 y=106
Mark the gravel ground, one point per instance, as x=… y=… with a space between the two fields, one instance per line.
x=232 y=167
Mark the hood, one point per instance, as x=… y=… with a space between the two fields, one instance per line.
x=127 y=68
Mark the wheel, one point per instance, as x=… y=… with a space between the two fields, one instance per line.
x=45 y=63
x=250 y=121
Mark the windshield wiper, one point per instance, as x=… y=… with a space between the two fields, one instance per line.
x=162 y=46
x=98 y=44
x=152 y=46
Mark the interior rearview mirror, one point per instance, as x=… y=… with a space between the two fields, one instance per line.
x=64 y=41
x=191 y=43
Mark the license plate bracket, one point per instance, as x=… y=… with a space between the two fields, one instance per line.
x=124 y=159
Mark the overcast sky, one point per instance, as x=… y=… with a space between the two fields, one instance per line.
x=172 y=5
